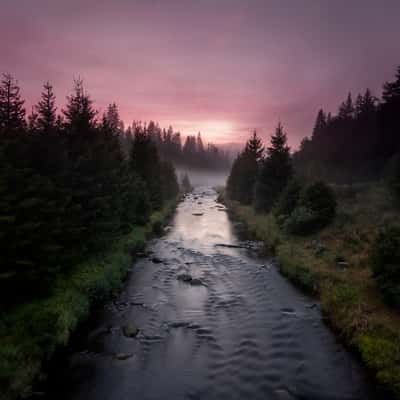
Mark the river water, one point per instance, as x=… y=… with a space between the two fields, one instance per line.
x=238 y=331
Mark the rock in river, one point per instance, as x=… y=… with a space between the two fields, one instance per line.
x=122 y=356
x=184 y=278
x=130 y=331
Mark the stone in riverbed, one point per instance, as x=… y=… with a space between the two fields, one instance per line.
x=156 y=260
x=196 y=282
x=130 y=331
x=198 y=214
x=122 y=356
x=184 y=278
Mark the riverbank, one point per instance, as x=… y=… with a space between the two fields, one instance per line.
x=31 y=333
x=334 y=265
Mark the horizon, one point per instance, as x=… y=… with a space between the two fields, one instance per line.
x=222 y=69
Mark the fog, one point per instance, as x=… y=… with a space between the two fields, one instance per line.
x=203 y=178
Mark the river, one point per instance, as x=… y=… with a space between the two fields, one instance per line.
x=237 y=330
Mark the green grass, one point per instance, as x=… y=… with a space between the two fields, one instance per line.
x=30 y=333
x=349 y=297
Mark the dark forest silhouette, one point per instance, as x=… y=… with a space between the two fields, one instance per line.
x=357 y=143
x=191 y=153
x=67 y=188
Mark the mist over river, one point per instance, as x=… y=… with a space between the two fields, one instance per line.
x=216 y=321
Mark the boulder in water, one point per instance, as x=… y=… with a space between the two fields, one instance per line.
x=122 y=356
x=184 y=278
x=130 y=331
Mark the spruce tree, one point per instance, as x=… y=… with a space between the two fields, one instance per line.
x=47 y=110
x=346 y=109
x=320 y=125
x=242 y=178
x=12 y=112
x=276 y=170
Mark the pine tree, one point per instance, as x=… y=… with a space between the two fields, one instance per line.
x=320 y=125
x=242 y=178
x=276 y=170
x=146 y=163
x=12 y=112
x=389 y=143
x=391 y=90
x=346 y=109
x=47 y=110
x=79 y=112
x=254 y=147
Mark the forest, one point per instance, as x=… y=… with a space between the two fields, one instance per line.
x=67 y=187
x=191 y=154
x=329 y=212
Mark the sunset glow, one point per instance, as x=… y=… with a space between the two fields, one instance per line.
x=222 y=68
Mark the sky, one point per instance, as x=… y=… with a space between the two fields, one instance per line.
x=222 y=67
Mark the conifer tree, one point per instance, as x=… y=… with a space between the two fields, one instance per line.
x=12 y=112
x=47 y=110
x=346 y=109
x=276 y=170
x=320 y=125
x=242 y=178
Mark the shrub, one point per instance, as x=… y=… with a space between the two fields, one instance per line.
x=301 y=221
x=385 y=261
x=314 y=209
x=289 y=199
x=320 y=199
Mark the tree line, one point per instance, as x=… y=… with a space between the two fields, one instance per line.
x=361 y=142
x=190 y=153
x=67 y=188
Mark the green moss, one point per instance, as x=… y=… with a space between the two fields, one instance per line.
x=31 y=332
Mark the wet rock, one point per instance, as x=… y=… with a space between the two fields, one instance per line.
x=130 y=331
x=232 y=246
x=198 y=214
x=122 y=356
x=288 y=310
x=184 y=278
x=179 y=324
x=156 y=260
x=134 y=303
x=196 y=282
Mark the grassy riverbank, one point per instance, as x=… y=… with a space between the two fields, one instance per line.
x=334 y=265
x=32 y=332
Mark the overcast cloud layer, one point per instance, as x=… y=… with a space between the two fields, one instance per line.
x=223 y=67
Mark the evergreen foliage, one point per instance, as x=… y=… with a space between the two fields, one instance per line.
x=275 y=172
x=243 y=175
x=358 y=142
x=67 y=189
x=190 y=154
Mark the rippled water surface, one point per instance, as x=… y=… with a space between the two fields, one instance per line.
x=240 y=331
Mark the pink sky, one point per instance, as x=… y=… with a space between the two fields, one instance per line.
x=220 y=67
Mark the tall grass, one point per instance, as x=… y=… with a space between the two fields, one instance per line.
x=334 y=265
